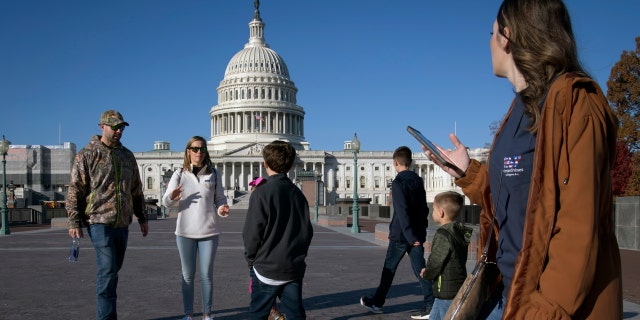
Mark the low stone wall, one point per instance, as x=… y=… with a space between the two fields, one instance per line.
x=59 y=223
x=627 y=226
x=381 y=232
x=332 y=220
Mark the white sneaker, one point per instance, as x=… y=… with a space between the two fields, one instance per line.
x=421 y=315
x=208 y=317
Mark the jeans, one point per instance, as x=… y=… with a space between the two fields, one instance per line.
x=205 y=249
x=439 y=309
x=263 y=296
x=110 y=245
x=494 y=308
x=395 y=253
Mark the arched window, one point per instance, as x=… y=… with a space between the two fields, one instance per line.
x=149 y=183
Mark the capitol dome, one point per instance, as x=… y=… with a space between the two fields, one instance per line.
x=254 y=59
x=256 y=99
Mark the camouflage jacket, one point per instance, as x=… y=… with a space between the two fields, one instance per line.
x=105 y=187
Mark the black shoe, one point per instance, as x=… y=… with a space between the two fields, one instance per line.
x=368 y=303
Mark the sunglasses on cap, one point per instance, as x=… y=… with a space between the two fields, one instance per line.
x=202 y=149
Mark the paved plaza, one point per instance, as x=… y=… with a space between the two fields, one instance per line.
x=37 y=282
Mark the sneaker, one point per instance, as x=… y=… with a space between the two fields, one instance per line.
x=368 y=303
x=279 y=316
x=421 y=314
x=274 y=314
x=207 y=318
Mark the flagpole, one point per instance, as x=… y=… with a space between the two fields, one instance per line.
x=260 y=119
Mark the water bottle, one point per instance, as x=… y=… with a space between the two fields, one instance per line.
x=74 y=250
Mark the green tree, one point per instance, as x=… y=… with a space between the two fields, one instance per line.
x=623 y=94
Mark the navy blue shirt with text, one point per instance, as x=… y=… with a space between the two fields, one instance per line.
x=510 y=167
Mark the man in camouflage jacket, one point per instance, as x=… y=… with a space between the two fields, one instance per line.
x=104 y=193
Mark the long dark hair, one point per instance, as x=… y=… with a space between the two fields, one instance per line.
x=542 y=44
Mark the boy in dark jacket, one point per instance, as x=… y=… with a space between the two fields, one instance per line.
x=407 y=233
x=446 y=265
x=277 y=234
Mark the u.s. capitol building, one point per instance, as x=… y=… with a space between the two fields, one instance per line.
x=256 y=105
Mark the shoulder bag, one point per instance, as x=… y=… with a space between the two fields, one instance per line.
x=476 y=289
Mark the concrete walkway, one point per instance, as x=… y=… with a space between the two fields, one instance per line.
x=38 y=283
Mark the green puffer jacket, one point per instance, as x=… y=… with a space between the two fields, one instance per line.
x=446 y=265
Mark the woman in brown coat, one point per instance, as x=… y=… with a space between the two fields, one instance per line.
x=547 y=181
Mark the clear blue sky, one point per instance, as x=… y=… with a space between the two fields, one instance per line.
x=371 y=67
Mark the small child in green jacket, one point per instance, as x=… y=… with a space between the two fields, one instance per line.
x=446 y=265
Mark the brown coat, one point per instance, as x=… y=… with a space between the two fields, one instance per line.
x=569 y=265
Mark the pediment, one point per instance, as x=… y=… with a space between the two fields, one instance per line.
x=250 y=149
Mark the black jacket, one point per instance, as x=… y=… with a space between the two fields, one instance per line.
x=277 y=231
x=446 y=265
x=410 y=211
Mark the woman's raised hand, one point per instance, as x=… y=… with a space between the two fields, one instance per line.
x=176 y=194
x=459 y=156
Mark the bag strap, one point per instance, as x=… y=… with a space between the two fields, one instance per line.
x=180 y=176
x=486 y=245
x=493 y=220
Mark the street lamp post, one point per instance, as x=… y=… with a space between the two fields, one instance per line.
x=4 y=148
x=315 y=216
x=355 y=147
x=166 y=177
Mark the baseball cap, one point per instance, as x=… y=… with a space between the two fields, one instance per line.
x=257 y=181
x=112 y=118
